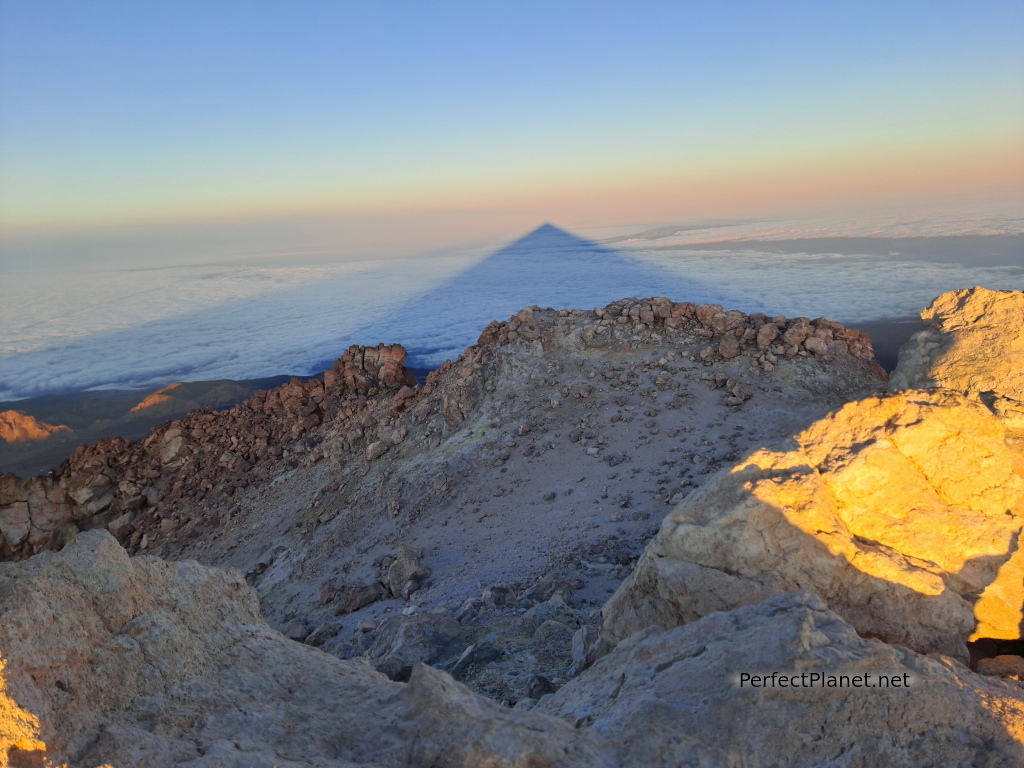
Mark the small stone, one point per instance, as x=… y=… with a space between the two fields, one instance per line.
x=729 y=347
x=295 y=630
x=538 y=686
x=122 y=526
x=816 y=345
x=375 y=450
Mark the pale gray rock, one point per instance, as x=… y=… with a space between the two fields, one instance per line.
x=121 y=526
x=172 y=446
x=142 y=662
x=15 y=523
x=400 y=642
x=671 y=698
x=405 y=574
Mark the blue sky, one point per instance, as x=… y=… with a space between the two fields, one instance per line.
x=122 y=112
x=206 y=189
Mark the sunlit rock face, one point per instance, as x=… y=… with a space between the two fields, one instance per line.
x=903 y=512
x=18 y=427
x=157 y=398
x=670 y=698
x=106 y=659
x=973 y=342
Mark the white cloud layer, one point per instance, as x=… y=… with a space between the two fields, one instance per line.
x=881 y=224
x=64 y=330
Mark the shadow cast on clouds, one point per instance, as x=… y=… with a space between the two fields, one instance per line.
x=301 y=330
x=547 y=267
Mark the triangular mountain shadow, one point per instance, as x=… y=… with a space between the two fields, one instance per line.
x=548 y=267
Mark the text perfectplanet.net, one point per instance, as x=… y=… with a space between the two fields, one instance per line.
x=894 y=679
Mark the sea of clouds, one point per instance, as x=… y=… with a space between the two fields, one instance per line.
x=115 y=325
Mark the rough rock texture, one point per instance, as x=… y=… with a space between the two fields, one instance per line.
x=189 y=458
x=670 y=698
x=569 y=433
x=131 y=662
x=973 y=342
x=16 y=427
x=903 y=512
x=402 y=641
x=161 y=490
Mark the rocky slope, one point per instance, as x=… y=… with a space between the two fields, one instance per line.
x=147 y=662
x=549 y=451
x=93 y=415
x=904 y=512
x=138 y=661
x=479 y=523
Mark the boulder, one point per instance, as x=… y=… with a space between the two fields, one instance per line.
x=172 y=446
x=121 y=527
x=351 y=599
x=131 y=662
x=15 y=523
x=402 y=641
x=671 y=698
x=972 y=342
x=406 y=574
x=904 y=512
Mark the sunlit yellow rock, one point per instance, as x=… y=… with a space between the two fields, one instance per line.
x=19 y=427
x=973 y=342
x=19 y=728
x=902 y=511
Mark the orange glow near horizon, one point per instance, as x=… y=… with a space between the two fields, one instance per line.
x=746 y=185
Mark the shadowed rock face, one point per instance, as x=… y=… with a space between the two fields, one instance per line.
x=903 y=512
x=111 y=660
x=669 y=698
x=130 y=662
x=972 y=342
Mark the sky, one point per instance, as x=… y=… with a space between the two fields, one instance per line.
x=197 y=190
x=119 y=113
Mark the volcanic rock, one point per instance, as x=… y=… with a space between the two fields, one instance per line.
x=402 y=641
x=972 y=342
x=904 y=512
x=670 y=698
x=131 y=662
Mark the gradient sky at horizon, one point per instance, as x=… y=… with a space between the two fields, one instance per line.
x=115 y=114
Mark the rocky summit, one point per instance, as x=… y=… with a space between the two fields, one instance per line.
x=592 y=539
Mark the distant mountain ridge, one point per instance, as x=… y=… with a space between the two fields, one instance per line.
x=18 y=427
